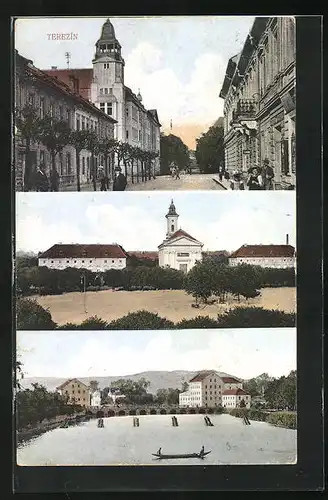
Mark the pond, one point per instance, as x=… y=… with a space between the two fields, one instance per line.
x=119 y=443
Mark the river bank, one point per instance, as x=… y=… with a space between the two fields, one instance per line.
x=46 y=425
x=284 y=419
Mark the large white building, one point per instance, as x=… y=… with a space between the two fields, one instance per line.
x=211 y=389
x=179 y=250
x=96 y=399
x=95 y=258
x=104 y=86
x=273 y=256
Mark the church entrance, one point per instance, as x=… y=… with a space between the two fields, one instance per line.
x=183 y=268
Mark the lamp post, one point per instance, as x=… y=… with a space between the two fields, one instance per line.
x=83 y=281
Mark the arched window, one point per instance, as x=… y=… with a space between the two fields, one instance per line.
x=172 y=227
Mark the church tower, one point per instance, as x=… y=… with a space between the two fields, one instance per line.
x=172 y=220
x=107 y=89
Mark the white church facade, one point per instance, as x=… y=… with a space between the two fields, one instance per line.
x=179 y=250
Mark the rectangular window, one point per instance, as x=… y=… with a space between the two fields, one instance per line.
x=83 y=165
x=68 y=163
x=127 y=134
x=41 y=107
x=106 y=91
x=68 y=116
x=102 y=107
x=77 y=122
x=41 y=156
x=101 y=91
x=83 y=123
x=61 y=113
x=51 y=109
x=183 y=254
x=109 y=108
x=106 y=65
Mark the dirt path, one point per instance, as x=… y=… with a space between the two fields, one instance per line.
x=172 y=304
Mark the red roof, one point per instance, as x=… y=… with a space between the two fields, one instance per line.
x=230 y=380
x=84 y=76
x=88 y=251
x=64 y=384
x=234 y=392
x=201 y=375
x=143 y=255
x=264 y=251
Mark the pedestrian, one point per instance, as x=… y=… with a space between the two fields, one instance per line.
x=253 y=182
x=120 y=182
x=102 y=179
x=177 y=172
x=268 y=175
x=220 y=172
x=54 y=180
x=41 y=179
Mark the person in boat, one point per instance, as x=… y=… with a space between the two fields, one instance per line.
x=202 y=451
x=159 y=451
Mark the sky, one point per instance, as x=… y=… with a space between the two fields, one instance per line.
x=178 y=62
x=245 y=353
x=136 y=220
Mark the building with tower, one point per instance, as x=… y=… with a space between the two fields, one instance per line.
x=104 y=86
x=179 y=250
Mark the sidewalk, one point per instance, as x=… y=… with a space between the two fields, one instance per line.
x=225 y=184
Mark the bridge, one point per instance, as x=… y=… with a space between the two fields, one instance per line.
x=133 y=410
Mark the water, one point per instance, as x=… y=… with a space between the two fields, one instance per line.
x=119 y=443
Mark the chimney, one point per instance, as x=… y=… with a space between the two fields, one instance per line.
x=287 y=239
x=53 y=67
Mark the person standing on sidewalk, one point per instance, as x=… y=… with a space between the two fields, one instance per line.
x=267 y=175
x=253 y=182
x=120 y=182
x=41 y=179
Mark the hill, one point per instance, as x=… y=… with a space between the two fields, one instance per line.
x=157 y=379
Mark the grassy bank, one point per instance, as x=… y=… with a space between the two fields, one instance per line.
x=284 y=419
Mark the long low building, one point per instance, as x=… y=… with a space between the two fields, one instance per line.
x=273 y=256
x=96 y=258
x=211 y=389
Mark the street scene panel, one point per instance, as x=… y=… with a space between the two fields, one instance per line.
x=162 y=398
x=109 y=104
x=166 y=261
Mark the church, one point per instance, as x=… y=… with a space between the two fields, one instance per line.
x=179 y=250
x=104 y=86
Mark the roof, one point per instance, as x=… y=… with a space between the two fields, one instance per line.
x=202 y=375
x=178 y=234
x=264 y=251
x=60 y=86
x=234 y=392
x=84 y=75
x=64 y=384
x=143 y=255
x=230 y=380
x=87 y=251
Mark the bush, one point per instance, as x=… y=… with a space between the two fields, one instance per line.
x=255 y=317
x=198 y=322
x=31 y=316
x=93 y=323
x=283 y=419
x=140 y=320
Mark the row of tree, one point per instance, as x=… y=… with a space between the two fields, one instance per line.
x=279 y=393
x=210 y=149
x=206 y=279
x=56 y=133
x=173 y=150
x=32 y=316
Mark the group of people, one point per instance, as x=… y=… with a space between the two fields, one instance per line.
x=175 y=171
x=42 y=182
x=258 y=178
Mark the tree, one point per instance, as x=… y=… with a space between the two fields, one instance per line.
x=54 y=135
x=94 y=384
x=242 y=404
x=134 y=391
x=93 y=145
x=27 y=122
x=172 y=150
x=79 y=139
x=200 y=282
x=210 y=150
x=185 y=386
x=19 y=374
x=32 y=316
x=107 y=147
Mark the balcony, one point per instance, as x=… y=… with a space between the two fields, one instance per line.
x=245 y=110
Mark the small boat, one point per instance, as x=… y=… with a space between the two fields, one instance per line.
x=182 y=455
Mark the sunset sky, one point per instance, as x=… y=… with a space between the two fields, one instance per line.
x=178 y=62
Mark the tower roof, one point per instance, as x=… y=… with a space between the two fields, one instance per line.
x=172 y=210
x=107 y=32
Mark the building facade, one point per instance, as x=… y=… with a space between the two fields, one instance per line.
x=207 y=390
x=104 y=85
x=273 y=256
x=50 y=96
x=95 y=258
x=95 y=399
x=236 y=398
x=76 y=391
x=259 y=101
x=179 y=250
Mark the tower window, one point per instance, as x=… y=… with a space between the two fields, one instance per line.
x=102 y=107
x=106 y=65
x=109 y=108
x=172 y=227
x=106 y=91
x=101 y=91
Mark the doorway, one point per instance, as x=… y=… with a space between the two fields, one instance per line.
x=183 y=268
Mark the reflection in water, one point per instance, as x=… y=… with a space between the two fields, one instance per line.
x=121 y=443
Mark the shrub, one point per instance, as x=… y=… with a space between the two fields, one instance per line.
x=31 y=316
x=198 y=322
x=140 y=320
x=92 y=323
x=283 y=419
x=255 y=317
x=68 y=326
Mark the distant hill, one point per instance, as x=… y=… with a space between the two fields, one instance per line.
x=157 y=379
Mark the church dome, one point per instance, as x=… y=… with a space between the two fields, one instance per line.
x=107 y=32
